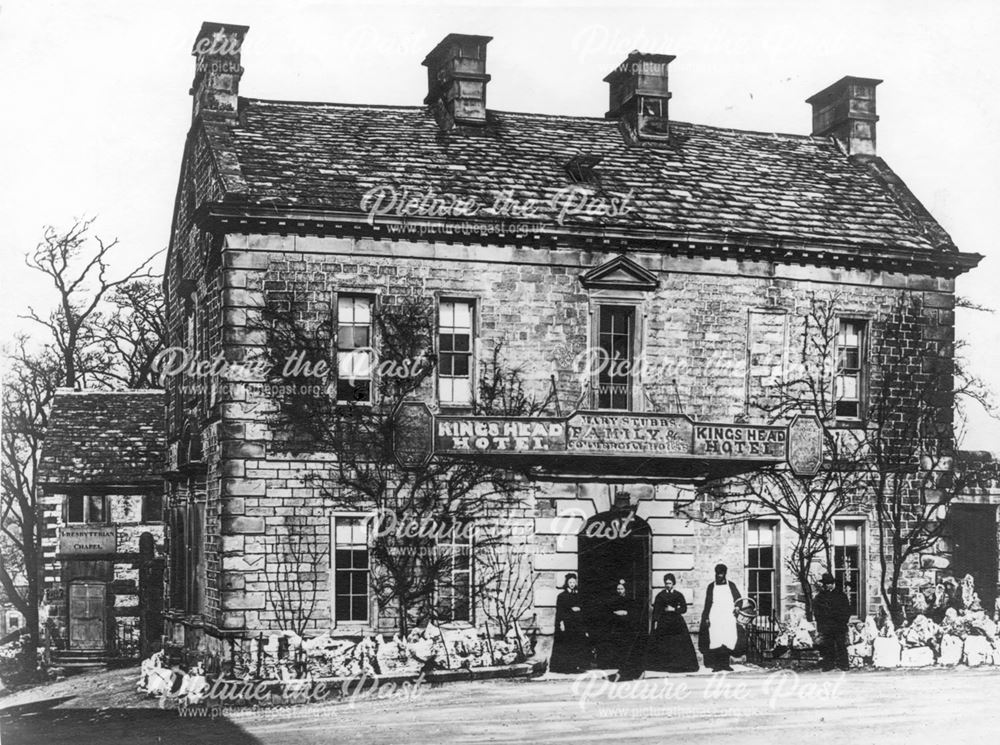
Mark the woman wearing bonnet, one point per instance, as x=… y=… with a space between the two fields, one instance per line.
x=670 y=647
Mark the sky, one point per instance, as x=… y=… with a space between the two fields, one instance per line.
x=96 y=104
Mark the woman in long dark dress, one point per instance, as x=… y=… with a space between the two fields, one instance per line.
x=623 y=637
x=670 y=647
x=570 y=645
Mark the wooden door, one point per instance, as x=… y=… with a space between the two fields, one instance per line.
x=86 y=615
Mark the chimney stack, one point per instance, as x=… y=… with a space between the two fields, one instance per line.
x=456 y=80
x=639 y=95
x=846 y=110
x=217 y=69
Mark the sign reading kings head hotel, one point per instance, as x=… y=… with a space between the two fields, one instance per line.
x=608 y=435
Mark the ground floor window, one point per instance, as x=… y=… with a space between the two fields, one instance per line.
x=454 y=586
x=848 y=561
x=762 y=565
x=350 y=569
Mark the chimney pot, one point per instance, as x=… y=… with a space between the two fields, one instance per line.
x=639 y=94
x=456 y=80
x=217 y=71
x=846 y=110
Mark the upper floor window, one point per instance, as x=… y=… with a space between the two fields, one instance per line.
x=455 y=361
x=89 y=508
x=354 y=348
x=616 y=341
x=850 y=374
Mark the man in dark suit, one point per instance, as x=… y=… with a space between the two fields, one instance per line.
x=832 y=609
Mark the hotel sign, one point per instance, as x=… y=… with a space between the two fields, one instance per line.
x=599 y=433
x=740 y=441
x=76 y=540
x=421 y=435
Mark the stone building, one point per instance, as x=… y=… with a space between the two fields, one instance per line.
x=101 y=479
x=693 y=248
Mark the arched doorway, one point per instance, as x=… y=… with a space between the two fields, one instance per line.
x=611 y=546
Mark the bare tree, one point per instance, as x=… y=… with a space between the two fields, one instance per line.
x=805 y=505
x=506 y=584
x=133 y=334
x=300 y=560
x=78 y=270
x=29 y=383
x=447 y=496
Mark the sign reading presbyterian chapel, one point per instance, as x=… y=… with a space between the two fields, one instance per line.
x=86 y=539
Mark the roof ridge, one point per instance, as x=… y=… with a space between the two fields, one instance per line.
x=532 y=114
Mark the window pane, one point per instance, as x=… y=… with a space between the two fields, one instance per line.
x=359 y=609
x=362 y=310
x=343 y=608
x=461 y=390
x=75 y=509
x=359 y=583
x=96 y=509
x=447 y=389
x=447 y=315
x=345 y=309
x=463 y=316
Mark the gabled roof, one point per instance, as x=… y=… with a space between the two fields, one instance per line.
x=326 y=157
x=104 y=437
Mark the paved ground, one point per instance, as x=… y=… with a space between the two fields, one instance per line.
x=932 y=706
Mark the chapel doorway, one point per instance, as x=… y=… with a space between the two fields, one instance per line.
x=87 y=615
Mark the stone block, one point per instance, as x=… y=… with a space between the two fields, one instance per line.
x=243 y=488
x=231 y=620
x=234 y=506
x=240 y=600
x=242 y=524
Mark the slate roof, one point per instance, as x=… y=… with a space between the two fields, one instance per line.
x=709 y=180
x=104 y=437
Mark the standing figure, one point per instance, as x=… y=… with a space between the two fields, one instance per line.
x=670 y=648
x=616 y=628
x=624 y=644
x=832 y=609
x=718 y=634
x=570 y=644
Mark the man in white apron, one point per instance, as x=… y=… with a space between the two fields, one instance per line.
x=717 y=637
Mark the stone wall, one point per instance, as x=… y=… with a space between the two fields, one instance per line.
x=715 y=333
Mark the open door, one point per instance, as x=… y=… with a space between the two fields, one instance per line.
x=607 y=553
x=973 y=532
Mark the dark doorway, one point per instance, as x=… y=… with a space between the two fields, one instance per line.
x=612 y=546
x=973 y=532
